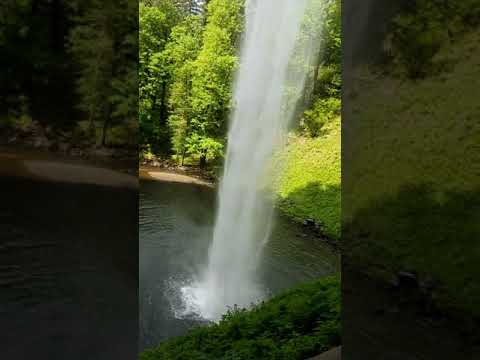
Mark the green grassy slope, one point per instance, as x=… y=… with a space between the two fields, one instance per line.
x=309 y=184
x=297 y=324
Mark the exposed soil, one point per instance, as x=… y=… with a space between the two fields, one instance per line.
x=207 y=175
x=172 y=175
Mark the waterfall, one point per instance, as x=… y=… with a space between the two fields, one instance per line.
x=257 y=128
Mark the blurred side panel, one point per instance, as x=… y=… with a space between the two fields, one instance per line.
x=68 y=179
x=411 y=180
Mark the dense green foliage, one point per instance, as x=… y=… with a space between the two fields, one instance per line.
x=187 y=62
x=320 y=103
x=212 y=78
x=297 y=324
x=323 y=112
x=70 y=66
x=155 y=24
x=419 y=32
x=183 y=50
x=187 y=65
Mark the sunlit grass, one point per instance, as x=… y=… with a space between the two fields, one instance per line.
x=309 y=183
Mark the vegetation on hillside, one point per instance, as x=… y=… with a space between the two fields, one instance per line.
x=309 y=185
x=300 y=323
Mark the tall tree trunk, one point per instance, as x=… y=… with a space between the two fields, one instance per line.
x=316 y=83
x=183 y=156
x=91 y=126
x=104 y=132
x=106 y=123
x=203 y=161
x=113 y=43
x=318 y=67
x=163 y=103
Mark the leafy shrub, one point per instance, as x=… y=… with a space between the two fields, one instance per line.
x=145 y=154
x=83 y=127
x=18 y=117
x=420 y=32
x=297 y=324
x=198 y=145
x=82 y=133
x=22 y=123
x=322 y=113
x=415 y=40
x=119 y=135
x=330 y=80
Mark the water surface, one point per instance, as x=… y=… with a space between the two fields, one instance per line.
x=68 y=270
x=176 y=227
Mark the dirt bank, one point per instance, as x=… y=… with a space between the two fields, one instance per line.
x=159 y=174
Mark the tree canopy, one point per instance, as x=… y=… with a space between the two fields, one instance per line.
x=70 y=66
x=188 y=57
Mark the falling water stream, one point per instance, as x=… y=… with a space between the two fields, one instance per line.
x=258 y=123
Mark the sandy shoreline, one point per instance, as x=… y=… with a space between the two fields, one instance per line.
x=153 y=173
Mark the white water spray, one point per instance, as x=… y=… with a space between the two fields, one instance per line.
x=257 y=128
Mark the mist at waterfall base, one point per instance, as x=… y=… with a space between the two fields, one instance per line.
x=258 y=125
